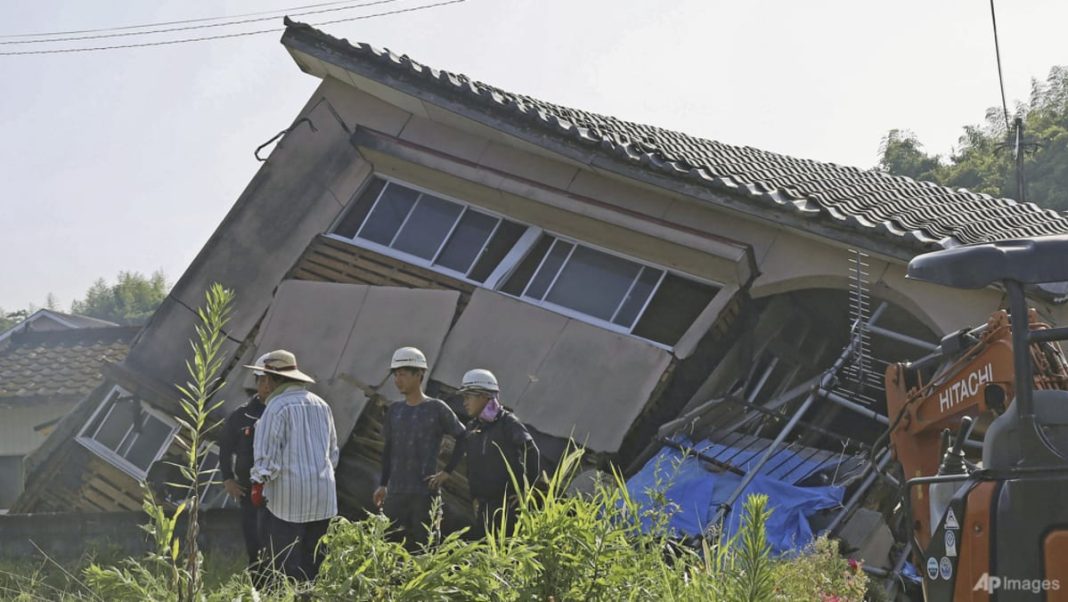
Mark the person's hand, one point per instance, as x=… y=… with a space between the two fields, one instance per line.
x=438 y=479
x=236 y=491
x=379 y=497
x=257 y=495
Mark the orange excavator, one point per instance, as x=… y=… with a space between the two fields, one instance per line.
x=992 y=523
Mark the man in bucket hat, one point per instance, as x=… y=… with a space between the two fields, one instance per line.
x=295 y=451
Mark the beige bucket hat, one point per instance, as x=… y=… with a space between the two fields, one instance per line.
x=280 y=362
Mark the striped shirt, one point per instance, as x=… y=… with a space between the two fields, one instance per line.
x=295 y=450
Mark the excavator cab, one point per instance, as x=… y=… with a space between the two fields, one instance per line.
x=1002 y=533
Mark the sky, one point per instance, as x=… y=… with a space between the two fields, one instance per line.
x=127 y=160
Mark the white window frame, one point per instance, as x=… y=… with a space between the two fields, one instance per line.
x=512 y=259
x=415 y=259
x=571 y=313
x=110 y=456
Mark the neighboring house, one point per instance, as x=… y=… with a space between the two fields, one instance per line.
x=44 y=320
x=614 y=275
x=48 y=363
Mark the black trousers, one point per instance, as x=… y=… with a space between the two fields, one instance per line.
x=253 y=529
x=294 y=547
x=410 y=513
x=488 y=516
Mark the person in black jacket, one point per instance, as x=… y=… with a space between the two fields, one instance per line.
x=235 y=463
x=497 y=446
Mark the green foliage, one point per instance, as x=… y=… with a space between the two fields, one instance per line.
x=821 y=574
x=983 y=161
x=11 y=318
x=131 y=300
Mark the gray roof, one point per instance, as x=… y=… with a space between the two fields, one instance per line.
x=900 y=210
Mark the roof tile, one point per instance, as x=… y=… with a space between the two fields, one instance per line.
x=60 y=363
x=910 y=212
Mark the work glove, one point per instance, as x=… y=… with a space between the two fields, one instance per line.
x=257 y=495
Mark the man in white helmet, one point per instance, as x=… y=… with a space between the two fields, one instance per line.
x=413 y=430
x=498 y=447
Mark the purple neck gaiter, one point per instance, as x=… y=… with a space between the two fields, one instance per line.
x=491 y=411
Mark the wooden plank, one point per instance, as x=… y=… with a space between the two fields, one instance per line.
x=98 y=500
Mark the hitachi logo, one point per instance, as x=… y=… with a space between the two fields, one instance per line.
x=964 y=388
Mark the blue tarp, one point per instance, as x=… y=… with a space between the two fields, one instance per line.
x=698 y=493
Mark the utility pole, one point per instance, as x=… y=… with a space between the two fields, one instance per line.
x=1018 y=155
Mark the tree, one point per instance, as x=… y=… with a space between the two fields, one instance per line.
x=983 y=161
x=10 y=318
x=131 y=300
x=901 y=154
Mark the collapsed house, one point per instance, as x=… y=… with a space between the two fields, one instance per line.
x=633 y=288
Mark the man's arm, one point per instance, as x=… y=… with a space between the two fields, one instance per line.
x=459 y=448
x=449 y=423
x=267 y=445
x=379 y=496
x=227 y=446
x=529 y=454
x=334 y=452
x=387 y=451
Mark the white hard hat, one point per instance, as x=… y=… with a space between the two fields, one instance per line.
x=479 y=380
x=408 y=357
x=261 y=363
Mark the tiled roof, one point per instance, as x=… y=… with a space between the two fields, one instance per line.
x=907 y=212
x=59 y=364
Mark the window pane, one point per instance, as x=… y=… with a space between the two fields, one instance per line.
x=118 y=421
x=519 y=279
x=427 y=227
x=637 y=297
x=352 y=221
x=388 y=214
x=503 y=240
x=673 y=308
x=153 y=436
x=593 y=282
x=466 y=241
x=548 y=270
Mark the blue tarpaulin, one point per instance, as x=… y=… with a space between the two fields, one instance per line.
x=698 y=494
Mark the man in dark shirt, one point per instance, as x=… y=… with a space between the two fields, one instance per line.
x=498 y=447
x=413 y=431
x=235 y=462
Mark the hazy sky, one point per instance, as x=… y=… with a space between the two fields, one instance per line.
x=128 y=159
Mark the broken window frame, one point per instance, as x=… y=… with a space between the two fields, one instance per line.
x=214 y=489
x=511 y=260
x=580 y=315
x=109 y=455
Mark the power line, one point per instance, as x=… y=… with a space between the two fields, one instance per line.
x=229 y=35
x=192 y=27
x=1001 y=79
x=166 y=23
